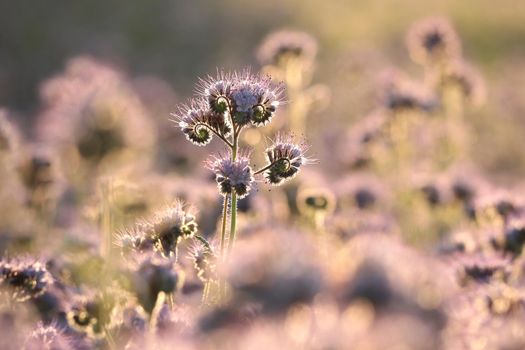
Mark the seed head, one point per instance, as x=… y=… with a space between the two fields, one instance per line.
x=285 y=158
x=233 y=175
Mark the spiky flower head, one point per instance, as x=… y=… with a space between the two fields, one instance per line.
x=169 y=226
x=232 y=176
x=198 y=123
x=136 y=239
x=283 y=45
x=24 y=279
x=246 y=97
x=48 y=337
x=285 y=158
x=254 y=99
x=433 y=40
x=216 y=91
x=204 y=260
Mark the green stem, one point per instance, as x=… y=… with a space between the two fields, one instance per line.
x=233 y=212
x=223 y=227
x=223 y=243
x=233 y=222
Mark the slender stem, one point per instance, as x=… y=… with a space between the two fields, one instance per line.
x=206 y=292
x=233 y=211
x=233 y=223
x=223 y=227
x=203 y=241
x=223 y=243
x=109 y=338
x=161 y=298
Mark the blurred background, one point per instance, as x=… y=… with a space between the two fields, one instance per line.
x=179 y=40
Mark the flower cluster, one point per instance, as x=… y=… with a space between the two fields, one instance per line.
x=24 y=279
x=226 y=105
x=162 y=233
x=232 y=176
x=226 y=101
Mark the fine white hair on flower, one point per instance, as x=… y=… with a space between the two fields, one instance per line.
x=232 y=175
x=285 y=157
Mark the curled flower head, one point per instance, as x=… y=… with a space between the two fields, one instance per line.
x=217 y=91
x=285 y=158
x=198 y=123
x=232 y=175
x=24 y=279
x=433 y=40
x=169 y=226
x=283 y=45
x=254 y=99
x=204 y=260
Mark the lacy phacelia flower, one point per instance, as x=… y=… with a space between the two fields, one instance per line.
x=24 y=280
x=285 y=159
x=48 y=337
x=286 y=44
x=433 y=40
x=232 y=175
x=199 y=123
x=169 y=227
x=253 y=99
x=217 y=91
x=246 y=97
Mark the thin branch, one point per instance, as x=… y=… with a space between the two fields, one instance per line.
x=216 y=133
x=289 y=165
